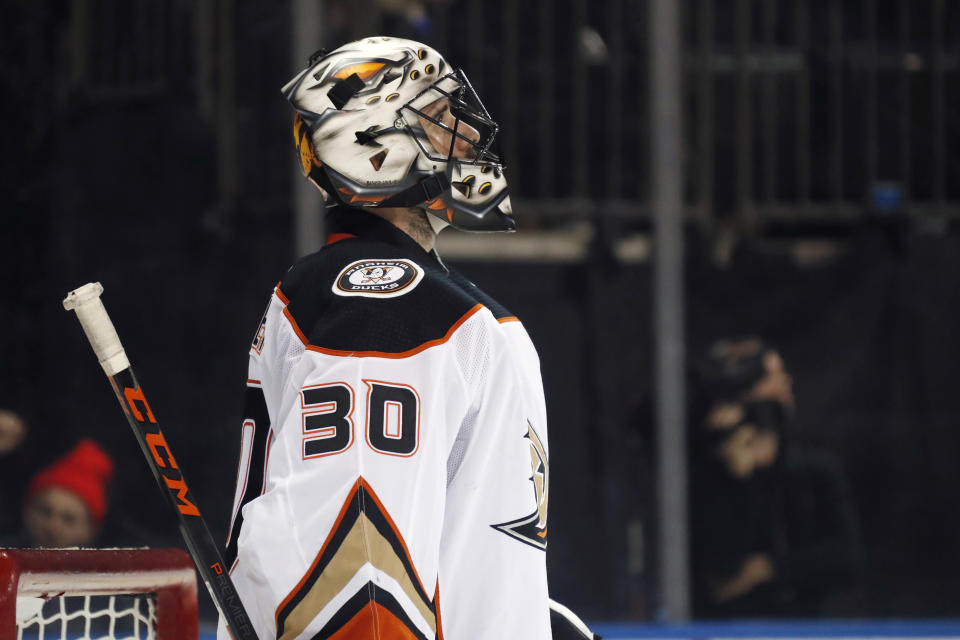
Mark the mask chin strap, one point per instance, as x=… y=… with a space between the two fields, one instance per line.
x=427 y=189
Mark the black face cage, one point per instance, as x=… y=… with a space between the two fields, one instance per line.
x=466 y=107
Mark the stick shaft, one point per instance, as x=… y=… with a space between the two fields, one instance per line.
x=174 y=487
x=160 y=459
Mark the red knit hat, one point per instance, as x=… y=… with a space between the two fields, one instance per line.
x=84 y=471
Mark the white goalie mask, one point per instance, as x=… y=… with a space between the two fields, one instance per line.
x=385 y=122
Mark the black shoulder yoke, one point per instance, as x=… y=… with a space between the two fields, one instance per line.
x=377 y=323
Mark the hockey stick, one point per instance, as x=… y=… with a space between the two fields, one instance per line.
x=106 y=345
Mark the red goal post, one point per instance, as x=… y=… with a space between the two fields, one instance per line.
x=167 y=575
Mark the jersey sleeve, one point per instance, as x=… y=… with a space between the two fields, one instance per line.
x=492 y=571
x=268 y=351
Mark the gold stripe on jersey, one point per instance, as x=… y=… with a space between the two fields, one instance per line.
x=363 y=532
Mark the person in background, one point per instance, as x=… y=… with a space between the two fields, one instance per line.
x=731 y=540
x=13 y=433
x=67 y=501
x=774 y=530
x=13 y=430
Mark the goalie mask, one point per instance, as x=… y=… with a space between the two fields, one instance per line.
x=385 y=122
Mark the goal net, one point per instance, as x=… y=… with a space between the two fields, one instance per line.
x=103 y=594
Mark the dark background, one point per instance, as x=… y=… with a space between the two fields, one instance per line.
x=117 y=118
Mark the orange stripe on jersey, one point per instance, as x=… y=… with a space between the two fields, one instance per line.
x=402 y=354
x=363 y=534
x=436 y=606
x=333 y=238
x=280 y=295
x=396 y=529
x=374 y=354
x=252 y=381
x=375 y=621
x=296 y=327
x=508 y=319
x=326 y=543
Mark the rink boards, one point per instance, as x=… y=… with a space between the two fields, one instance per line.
x=835 y=630
x=755 y=630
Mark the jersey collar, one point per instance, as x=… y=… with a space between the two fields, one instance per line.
x=345 y=222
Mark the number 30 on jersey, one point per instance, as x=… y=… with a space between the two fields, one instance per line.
x=391 y=420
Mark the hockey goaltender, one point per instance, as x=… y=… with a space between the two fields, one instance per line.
x=394 y=471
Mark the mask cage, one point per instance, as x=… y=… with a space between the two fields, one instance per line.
x=467 y=109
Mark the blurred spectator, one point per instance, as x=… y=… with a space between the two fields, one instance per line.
x=13 y=433
x=774 y=532
x=66 y=502
x=731 y=537
x=13 y=430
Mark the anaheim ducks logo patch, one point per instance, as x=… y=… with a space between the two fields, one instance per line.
x=532 y=529
x=374 y=278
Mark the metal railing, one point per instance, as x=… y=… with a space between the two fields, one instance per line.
x=567 y=81
x=792 y=109
x=826 y=102
x=127 y=50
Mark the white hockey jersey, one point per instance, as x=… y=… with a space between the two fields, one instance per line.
x=394 y=474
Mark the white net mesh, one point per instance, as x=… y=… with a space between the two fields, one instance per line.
x=85 y=617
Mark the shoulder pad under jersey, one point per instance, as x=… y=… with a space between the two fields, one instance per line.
x=361 y=296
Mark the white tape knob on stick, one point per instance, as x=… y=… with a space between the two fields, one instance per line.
x=96 y=324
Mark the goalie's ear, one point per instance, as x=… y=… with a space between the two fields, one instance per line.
x=567 y=626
